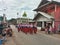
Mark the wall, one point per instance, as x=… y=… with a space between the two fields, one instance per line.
x=57 y=17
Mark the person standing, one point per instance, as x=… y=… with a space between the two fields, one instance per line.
x=50 y=29
x=9 y=31
x=4 y=34
x=1 y=28
x=46 y=30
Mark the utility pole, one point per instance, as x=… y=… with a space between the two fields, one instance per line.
x=17 y=17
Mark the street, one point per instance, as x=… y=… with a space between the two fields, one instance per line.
x=29 y=22
x=21 y=38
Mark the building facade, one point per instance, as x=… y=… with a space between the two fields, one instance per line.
x=24 y=20
x=52 y=8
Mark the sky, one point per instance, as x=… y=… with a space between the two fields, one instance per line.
x=11 y=7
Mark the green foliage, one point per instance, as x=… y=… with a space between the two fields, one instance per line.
x=13 y=21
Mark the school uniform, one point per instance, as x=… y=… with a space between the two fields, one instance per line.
x=31 y=30
x=35 y=29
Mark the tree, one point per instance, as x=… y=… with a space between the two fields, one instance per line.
x=13 y=21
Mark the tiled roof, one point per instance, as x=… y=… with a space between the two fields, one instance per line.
x=44 y=3
x=43 y=14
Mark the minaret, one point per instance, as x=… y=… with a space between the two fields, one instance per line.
x=4 y=18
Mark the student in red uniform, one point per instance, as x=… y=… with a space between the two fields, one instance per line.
x=34 y=29
x=30 y=29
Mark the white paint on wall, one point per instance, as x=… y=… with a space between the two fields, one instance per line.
x=42 y=18
x=38 y=28
x=46 y=15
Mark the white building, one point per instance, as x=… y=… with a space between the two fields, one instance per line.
x=42 y=19
x=24 y=20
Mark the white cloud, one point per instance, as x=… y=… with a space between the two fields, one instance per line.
x=14 y=6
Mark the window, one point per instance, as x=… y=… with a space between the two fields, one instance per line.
x=39 y=24
x=44 y=24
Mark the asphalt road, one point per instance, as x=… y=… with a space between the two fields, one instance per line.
x=21 y=38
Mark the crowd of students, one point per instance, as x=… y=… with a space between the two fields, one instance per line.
x=27 y=28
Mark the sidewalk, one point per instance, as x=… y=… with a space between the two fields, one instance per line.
x=10 y=41
x=53 y=35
